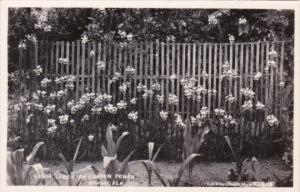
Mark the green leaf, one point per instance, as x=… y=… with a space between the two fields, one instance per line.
x=10 y=168
x=77 y=150
x=157 y=152
x=183 y=166
x=111 y=149
x=120 y=139
x=150 y=149
x=32 y=155
x=104 y=151
x=66 y=164
x=55 y=179
x=227 y=139
x=18 y=157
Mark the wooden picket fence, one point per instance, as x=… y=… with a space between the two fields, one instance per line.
x=156 y=61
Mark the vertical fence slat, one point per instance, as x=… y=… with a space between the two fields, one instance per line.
x=168 y=72
x=220 y=76
x=178 y=74
x=267 y=80
x=151 y=75
x=215 y=73
x=162 y=56
x=241 y=75
x=193 y=71
x=251 y=65
x=93 y=67
x=172 y=72
x=183 y=76
x=68 y=57
x=77 y=69
x=62 y=55
x=204 y=71
x=82 y=67
x=199 y=64
x=97 y=67
x=209 y=93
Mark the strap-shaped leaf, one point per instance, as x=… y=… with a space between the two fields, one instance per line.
x=120 y=139
x=66 y=164
x=55 y=179
x=200 y=138
x=111 y=149
x=18 y=157
x=77 y=150
x=183 y=166
x=187 y=137
x=152 y=166
x=157 y=152
x=10 y=168
x=227 y=139
x=150 y=149
x=104 y=151
x=30 y=158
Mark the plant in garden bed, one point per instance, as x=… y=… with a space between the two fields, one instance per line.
x=193 y=141
x=69 y=165
x=246 y=169
x=115 y=170
x=152 y=158
x=174 y=182
x=20 y=173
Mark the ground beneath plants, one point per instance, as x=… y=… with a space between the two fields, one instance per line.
x=203 y=172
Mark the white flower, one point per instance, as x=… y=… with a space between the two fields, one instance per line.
x=28 y=119
x=212 y=20
x=122 y=34
x=52 y=129
x=121 y=105
x=173 y=99
x=133 y=116
x=156 y=87
x=242 y=21
x=160 y=98
x=47 y=28
x=204 y=112
x=63 y=61
x=133 y=101
x=63 y=119
x=272 y=120
x=178 y=121
x=273 y=53
x=60 y=93
x=45 y=82
x=231 y=38
x=248 y=93
x=129 y=37
x=163 y=115
x=38 y=70
x=85 y=118
x=219 y=111
x=22 y=45
x=84 y=39
x=116 y=77
x=91 y=137
x=51 y=122
x=96 y=110
x=92 y=53
x=140 y=87
x=229 y=98
x=49 y=108
x=271 y=63
x=109 y=108
x=70 y=104
x=281 y=84
x=130 y=70
x=259 y=106
x=247 y=105
x=257 y=76
x=123 y=88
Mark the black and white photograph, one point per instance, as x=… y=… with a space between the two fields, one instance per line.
x=149 y=97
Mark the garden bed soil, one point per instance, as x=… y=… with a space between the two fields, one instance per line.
x=203 y=173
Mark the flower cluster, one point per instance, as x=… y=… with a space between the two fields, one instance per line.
x=84 y=39
x=130 y=70
x=147 y=93
x=231 y=38
x=173 y=99
x=109 y=108
x=38 y=70
x=31 y=38
x=160 y=98
x=63 y=119
x=178 y=121
x=189 y=88
x=272 y=120
x=219 y=112
x=123 y=88
x=242 y=21
x=121 y=104
x=22 y=45
x=248 y=93
x=163 y=115
x=140 y=87
x=259 y=106
x=227 y=71
x=247 y=106
x=230 y=98
x=212 y=20
x=116 y=77
x=133 y=101
x=204 y=112
x=49 y=108
x=63 y=61
x=156 y=87
x=133 y=115
x=257 y=76
x=45 y=82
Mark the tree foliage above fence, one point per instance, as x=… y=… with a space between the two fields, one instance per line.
x=180 y=25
